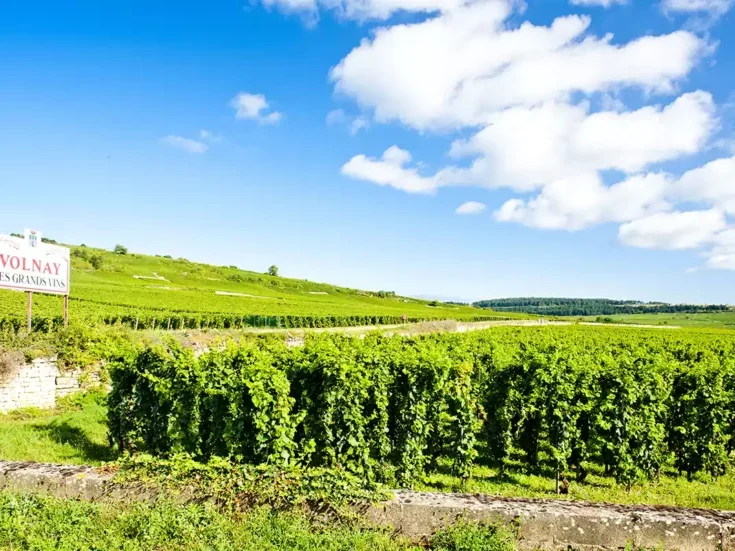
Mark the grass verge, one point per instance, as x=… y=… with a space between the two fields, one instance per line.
x=36 y=523
x=73 y=433
x=670 y=490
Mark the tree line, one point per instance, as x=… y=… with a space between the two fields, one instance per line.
x=552 y=306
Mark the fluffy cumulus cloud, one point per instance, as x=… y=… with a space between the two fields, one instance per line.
x=254 y=107
x=540 y=111
x=471 y=207
x=717 y=7
x=713 y=183
x=584 y=201
x=524 y=148
x=461 y=68
x=674 y=230
x=722 y=255
x=390 y=170
x=185 y=144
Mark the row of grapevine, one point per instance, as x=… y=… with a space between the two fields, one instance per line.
x=165 y=320
x=390 y=408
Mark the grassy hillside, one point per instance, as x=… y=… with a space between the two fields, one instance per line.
x=105 y=284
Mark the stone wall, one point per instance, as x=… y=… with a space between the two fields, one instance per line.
x=29 y=385
x=542 y=523
x=38 y=384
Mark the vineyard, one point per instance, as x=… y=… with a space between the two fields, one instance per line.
x=564 y=400
x=148 y=292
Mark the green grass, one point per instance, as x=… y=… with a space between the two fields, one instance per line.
x=35 y=523
x=41 y=524
x=723 y=320
x=189 y=287
x=74 y=433
x=669 y=490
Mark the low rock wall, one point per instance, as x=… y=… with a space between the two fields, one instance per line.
x=29 y=385
x=38 y=384
x=543 y=524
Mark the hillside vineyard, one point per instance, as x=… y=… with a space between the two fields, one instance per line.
x=154 y=292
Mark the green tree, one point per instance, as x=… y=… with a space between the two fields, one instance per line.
x=119 y=249
x=273 y=270
x=96 y=261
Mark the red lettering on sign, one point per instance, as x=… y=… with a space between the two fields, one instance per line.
x=57 y=267
x=14 y=262
x=36 y=265
x=4 y=259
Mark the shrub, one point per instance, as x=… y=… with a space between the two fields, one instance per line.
x=96 y=261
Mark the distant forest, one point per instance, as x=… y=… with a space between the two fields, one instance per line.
x=592 y=306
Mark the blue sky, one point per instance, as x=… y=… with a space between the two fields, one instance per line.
x=604 y=167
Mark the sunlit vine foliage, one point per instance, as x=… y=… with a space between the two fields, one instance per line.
x=389 y=408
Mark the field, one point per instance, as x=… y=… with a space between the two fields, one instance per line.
x=506 y=411
x=144 y=291
x=609 y=414
x=723 y=320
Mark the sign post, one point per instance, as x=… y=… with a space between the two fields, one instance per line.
x=32 y=266
x=29 y=313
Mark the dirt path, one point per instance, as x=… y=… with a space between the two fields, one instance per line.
x=448 y=326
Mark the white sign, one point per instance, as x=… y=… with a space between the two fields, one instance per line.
x=31 y=265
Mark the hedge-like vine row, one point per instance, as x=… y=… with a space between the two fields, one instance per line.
x=388 y=408
x=177 y=320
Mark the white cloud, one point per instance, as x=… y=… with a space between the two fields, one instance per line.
x=336 y=116
x=359 y=123
x=292 y=5
x=191 y=146
x=527 y=97
x=389 y=171
x=674 y=230
x=585 y=201
x=717 y=7
x=210 y=137
x=362 y=10
x=713 y=183
x=524 y=148
x=254 y=107
x=603 y=3
x=471 y=207
x=461 y=68
x=354 y=123
x=271 y=118
x=722 y=255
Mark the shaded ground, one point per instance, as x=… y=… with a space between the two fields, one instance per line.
x=74 y=433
